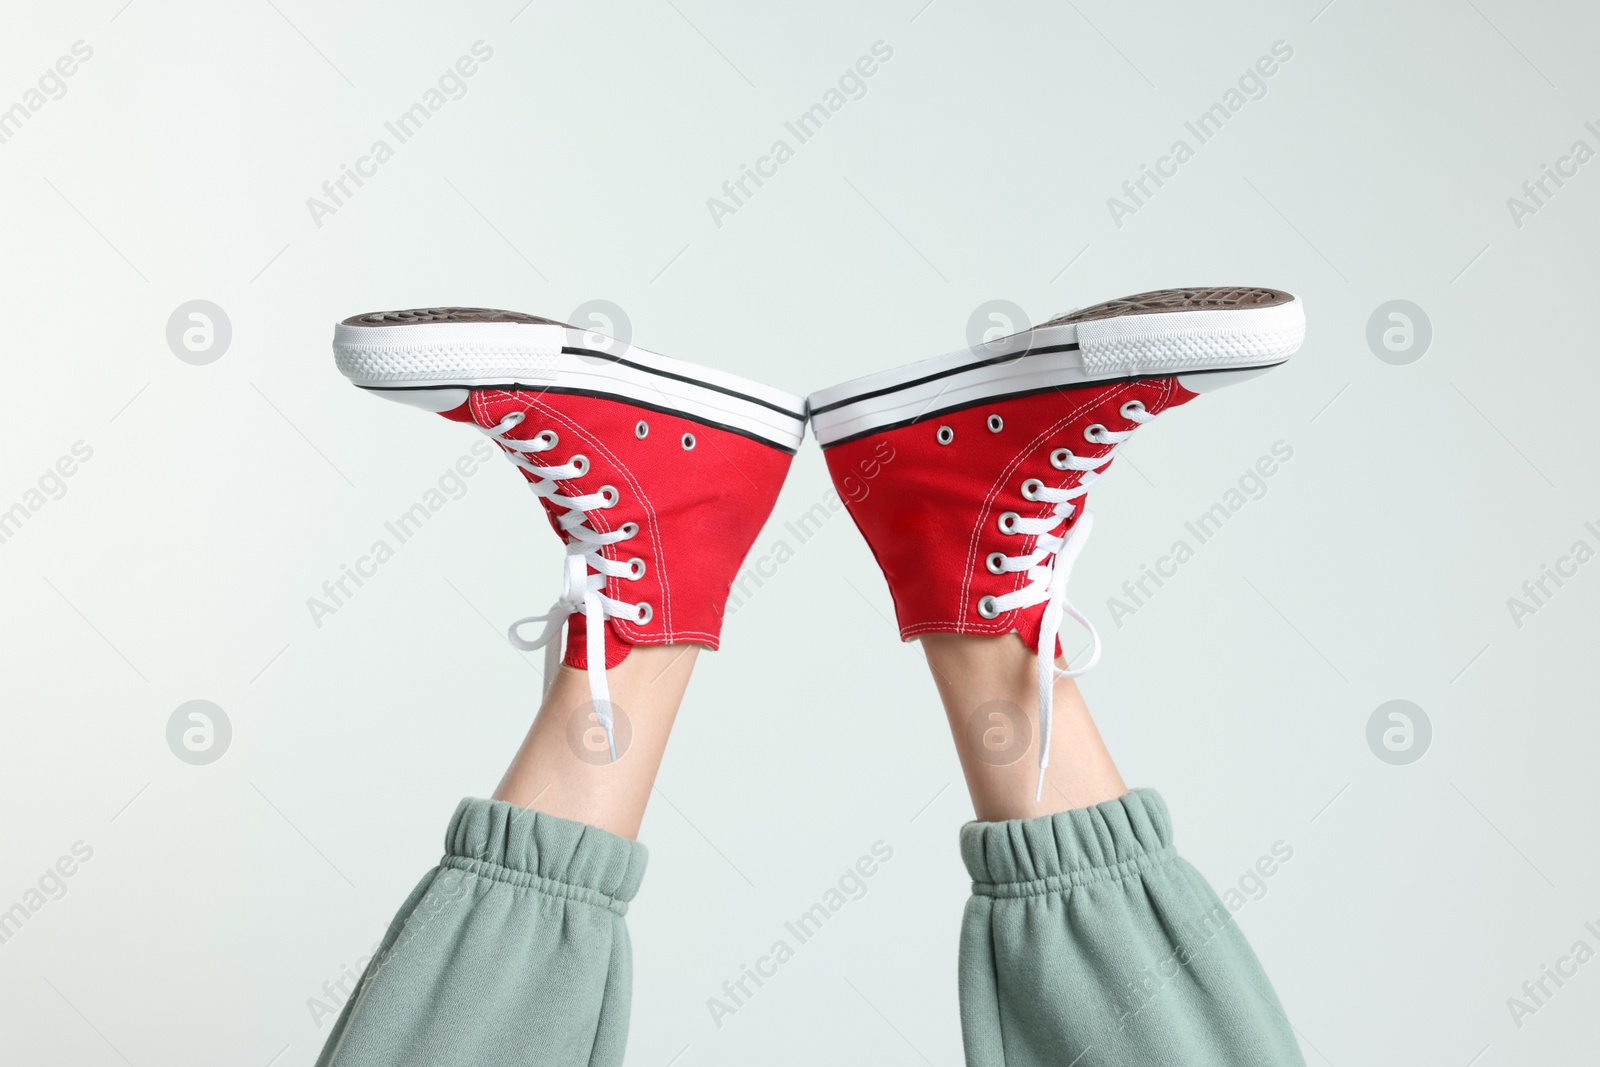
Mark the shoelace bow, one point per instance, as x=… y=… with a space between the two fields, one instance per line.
x=585 y=569
x=1050 y=563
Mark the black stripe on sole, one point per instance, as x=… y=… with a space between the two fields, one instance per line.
x=990 y=362
x=1036 y=392
x=519 y=387
x=683 y=378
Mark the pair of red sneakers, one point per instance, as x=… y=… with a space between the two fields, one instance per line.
x=658 y=475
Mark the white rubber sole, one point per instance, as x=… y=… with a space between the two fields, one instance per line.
x=433 y=365
x=1202 y=347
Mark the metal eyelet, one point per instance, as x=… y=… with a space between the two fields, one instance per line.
x=996 y=562
x=515 y=418
x=629 y=530
x=609 y=492
x=641 y=429
x=635 y=569
x=646 y=613
x=547 y=438
x=1092 y=433
x=1030 y=489
x=996 y=424
x=945 y=435
x=1061 y=459
x=986 y=607
x=581 y=462
x=688 y=442
x=1008 y=522
x=1131 y=408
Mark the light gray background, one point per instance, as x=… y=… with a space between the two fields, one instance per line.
x=178 y=563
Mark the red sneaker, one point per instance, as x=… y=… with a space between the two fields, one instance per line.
x=981 y=458
x=659 y=473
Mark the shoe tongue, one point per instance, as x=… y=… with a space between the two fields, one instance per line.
x=617 y=647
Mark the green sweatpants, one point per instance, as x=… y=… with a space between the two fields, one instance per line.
x=512 y=951
x=1089 y=942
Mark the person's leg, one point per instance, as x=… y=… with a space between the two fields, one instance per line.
x=564 y=767
x=990 y=697
x=1088 y=939
x=513 y=950
x=657 y=475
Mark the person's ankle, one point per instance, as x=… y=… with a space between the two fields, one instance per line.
x=989 y=688
x=988 y=667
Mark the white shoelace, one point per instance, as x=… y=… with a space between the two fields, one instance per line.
x=584 y=570
x=1047 y=581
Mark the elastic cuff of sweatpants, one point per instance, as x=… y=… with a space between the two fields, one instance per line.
x=556 y=857
x=1029 y=857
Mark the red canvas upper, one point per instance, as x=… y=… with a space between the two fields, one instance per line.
x=932 y=519
x=698 y=509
